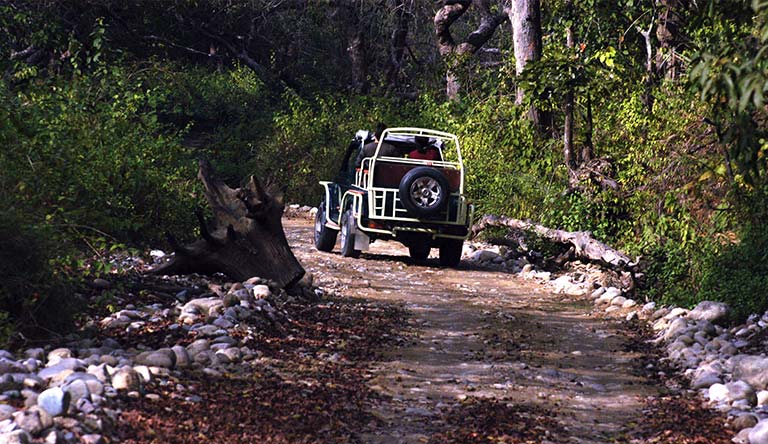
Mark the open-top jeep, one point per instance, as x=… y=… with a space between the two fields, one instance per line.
x=407 y=185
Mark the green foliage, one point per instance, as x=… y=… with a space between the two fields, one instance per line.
x=33 y=296
x=91 y=152
x=738 y=273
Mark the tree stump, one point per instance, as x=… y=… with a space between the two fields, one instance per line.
x=246 y=237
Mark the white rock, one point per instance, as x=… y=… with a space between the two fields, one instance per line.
x=762 y=398
x=752 y=369
x=675 y=313
x=618 y=301
x=126 y=378
x=629 y=303
x=715 y=312
x=717 y=393
x=15 y=437
x=261 y=291
x=759 y=433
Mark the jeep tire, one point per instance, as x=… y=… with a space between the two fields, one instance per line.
x=450 y=252
x=419 y=252
x=423 y=191
x=325 y=238
x=348 y=235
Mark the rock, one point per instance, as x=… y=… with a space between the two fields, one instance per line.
x=54 y=401
x=747 y=420
x=198 y=346
x=54 y=437
x=261 y=292
x=56 y=371
x=35 y=353
x=126 y=378
x=92 y=439
x=164 y=357
x=705 y=380
x=33 y=420
x=752 y=369
x=59 y=353
x=714 y=312
x=629 y=303
x=762 y=398
x=484 y=256
x=741 y=390
x=182 y=356
x=15 y=437
x=717 y=393
x=144 y=373
x=6 y=411
x=618 y=301
x=675 y=329
x=759 y=433
x=77 y=389
x=675 y=313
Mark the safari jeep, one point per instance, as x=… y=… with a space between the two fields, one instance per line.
x=407 y=186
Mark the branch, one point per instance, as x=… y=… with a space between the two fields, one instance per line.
x=444 y=18
x=176 y=45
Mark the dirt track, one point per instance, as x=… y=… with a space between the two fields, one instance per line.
x=485 y=341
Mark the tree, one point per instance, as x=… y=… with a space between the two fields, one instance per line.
x=453 y=52
x=525 y=16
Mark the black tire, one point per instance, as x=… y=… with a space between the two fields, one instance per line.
x=348 y=235
x=419 y=252
x=450 y=252
x=424 y=191
x=325 y=238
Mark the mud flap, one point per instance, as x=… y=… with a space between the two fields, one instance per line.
x=362 y=241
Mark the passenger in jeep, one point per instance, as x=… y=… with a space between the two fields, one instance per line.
x=369 y=149
x=425 y=151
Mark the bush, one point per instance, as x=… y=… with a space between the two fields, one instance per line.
x=738 y=274
x=34 y=298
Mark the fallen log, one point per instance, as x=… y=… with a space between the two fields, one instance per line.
x=246 y=238
x=582 y=246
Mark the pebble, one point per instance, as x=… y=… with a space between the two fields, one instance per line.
x=759 y=433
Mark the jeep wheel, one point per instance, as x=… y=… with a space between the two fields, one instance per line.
x=325 y=238
x=423 y=191
x=450 y=252
x=348 y=235
x=419 y=252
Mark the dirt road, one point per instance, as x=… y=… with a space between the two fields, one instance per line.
x=488 y=352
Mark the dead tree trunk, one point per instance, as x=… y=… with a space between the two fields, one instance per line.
x=585 y=247
x=245 y=240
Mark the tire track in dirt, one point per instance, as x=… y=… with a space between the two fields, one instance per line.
x=489 y=335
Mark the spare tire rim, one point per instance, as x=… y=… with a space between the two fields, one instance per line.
x=426 y=192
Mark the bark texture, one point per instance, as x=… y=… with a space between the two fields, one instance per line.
x=585 y=247
x=453 y=51
x=525 y=16
x=245 y=240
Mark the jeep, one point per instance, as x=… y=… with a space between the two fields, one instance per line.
x=406 y=185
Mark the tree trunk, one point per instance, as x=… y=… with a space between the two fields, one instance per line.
x=585 y=247
x=568 y=150
x=450 y=50
x=670 y=36
x=357 y=56
x=525 y=16
x=246 y=238
x=397 y=44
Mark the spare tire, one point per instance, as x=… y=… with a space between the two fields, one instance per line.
x=424 y=191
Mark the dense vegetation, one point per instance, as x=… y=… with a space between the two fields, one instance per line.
x=104 y=106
